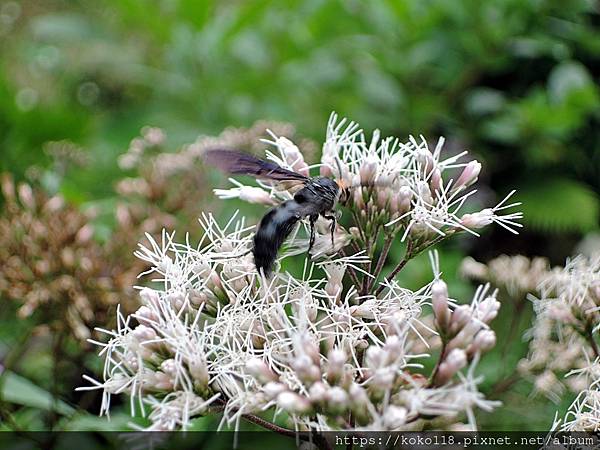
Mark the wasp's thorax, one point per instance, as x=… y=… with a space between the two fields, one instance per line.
x=320 y=191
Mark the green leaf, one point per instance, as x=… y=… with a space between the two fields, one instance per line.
x=559 y=205
x=19 y=390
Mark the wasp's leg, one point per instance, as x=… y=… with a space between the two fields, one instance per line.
x=333 y=219
x=312 y=220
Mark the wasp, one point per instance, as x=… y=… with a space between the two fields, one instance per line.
x=318 y=196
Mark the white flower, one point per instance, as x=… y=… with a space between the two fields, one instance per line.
x=321 y=347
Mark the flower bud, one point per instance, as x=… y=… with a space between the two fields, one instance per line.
x=160 y=381
x=26 y=196
x=405 y=199
x=273 y=389
x=142 y=333
x=479 y=219
x=470 y=268
x=465 y=336
x=487 y=310
x=293 y=156
x=368 y=170
x=459 y=318
x=199 y=371
x=383 y=196
x=252 y=194
x=358 y=397
x=318 y=392
x=393 y=347
x=358 y=198
x=259 y=370
x=425 y=193
x=439 y=300
x=468 y=176
x=325 y=171
x=146 y=316
x=454 y=361
x=484 y=341
x=436 y=180
x=293 y=403
x=425 y=160
x=150 y=297
x=561 y=313
x=84 y=234
x=394 y=417
x=337 y=400
x=375 y=357
x=169 y=367
x=335 y=365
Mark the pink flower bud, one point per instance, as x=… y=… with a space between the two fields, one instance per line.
x=468 y=176
x=439 y=300
x=454 y=361
x=318 y=392
x=479 y=219
x=259 y=370
x=394 y=417
x=56 y=203
x=460 y=317
x=383 y=197
x=393 y=347
x=143 y=333
x=150 y=297
x=368 y=170
x=436 y=180
x=337 y=400
x=358 y=397
x=487 y=310
x=470 y=268
x=358 y=198
x=146 y=316
x=375 y=357
x=273 y=389
x=425 y=193
x=169 y=367
x=335 y=365
x=161 y=381
x=26 y=196
x=293 y=403
x=484 y=341
x=425 y=159
x=405 y=198
x=465 y=336
x=84 y=234
x=561 y=313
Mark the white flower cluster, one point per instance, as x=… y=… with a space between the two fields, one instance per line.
x=212 y=336
x=405 y=186
x=341 y=347
x=565 y=326
x=517 y=274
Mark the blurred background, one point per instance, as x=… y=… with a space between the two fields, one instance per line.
x=104 y=107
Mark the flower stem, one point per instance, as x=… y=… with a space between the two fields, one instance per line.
x=381 y=261
x=407 y=256
x=319 y=440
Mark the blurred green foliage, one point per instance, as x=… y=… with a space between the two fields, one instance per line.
x=514 y=81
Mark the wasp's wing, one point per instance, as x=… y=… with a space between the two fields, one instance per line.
x=239 y=163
